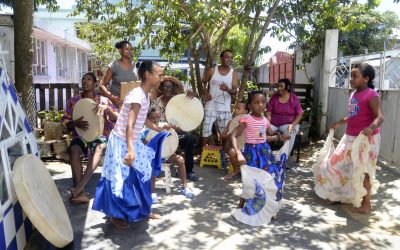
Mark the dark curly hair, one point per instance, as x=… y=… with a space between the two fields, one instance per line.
x=366 y=71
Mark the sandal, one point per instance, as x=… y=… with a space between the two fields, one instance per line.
x=187 y=192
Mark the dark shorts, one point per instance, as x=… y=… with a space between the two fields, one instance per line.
x=86 y=146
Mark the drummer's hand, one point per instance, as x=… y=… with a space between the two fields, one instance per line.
x=285 y=137
x=224 y=87
x=129 y=159
x=191 y=94
x=100 y=109
x=175 y=127
x=167 y=126
x=207 y=97
x=117 y=101
x=80 y=123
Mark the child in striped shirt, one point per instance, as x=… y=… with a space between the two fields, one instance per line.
x=258 y=206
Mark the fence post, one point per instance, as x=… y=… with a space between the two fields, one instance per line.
x=330 y=52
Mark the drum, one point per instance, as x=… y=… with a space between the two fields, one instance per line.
x=170 y=144
x=184 y=112
x=126 y=87
x=234 y=124
x=85 y=107
x=41 y=201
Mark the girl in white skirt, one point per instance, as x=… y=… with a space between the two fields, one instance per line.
x=348 y=174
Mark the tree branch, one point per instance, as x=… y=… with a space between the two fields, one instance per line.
x=264 y=30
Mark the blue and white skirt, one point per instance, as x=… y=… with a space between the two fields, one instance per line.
x=263 y=179
x=125 y=192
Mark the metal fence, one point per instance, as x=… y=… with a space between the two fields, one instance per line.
x=386 y=64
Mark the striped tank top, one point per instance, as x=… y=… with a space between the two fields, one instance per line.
x=256 y=129
x=136 y=95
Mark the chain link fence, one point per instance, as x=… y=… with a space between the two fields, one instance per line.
x=30 y=107
x=386 y=64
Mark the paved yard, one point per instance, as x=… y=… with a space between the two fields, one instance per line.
x=205 y=222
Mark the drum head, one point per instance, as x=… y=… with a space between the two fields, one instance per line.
x=128 y=86
x=41 y=201
x=170 y=144
x=84 y=107
x=234 y=124
x=184 y=112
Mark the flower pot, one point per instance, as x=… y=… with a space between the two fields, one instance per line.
x=60 y=147
x=44 y=148
x=52 y=131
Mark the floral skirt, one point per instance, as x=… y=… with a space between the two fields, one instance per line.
x=340 y=174
x=123 y=191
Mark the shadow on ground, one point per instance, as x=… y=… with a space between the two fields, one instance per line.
x=205 y=223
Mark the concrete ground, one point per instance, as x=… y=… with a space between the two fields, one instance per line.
x=305 y=222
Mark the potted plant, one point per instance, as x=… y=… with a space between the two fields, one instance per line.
x=52 y=126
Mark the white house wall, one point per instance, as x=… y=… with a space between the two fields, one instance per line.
x=7 y=43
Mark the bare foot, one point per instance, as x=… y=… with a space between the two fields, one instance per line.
x=154 y=216
x=81 y=198
x=231 y=176
x=364 y=209
x=119 y=223
x=329 y=202
x=275 y=217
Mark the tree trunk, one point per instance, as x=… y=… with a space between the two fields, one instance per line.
x=251 y=53
x=243 y=84
x=23 y=30
x=196 y=58
x=192 y=77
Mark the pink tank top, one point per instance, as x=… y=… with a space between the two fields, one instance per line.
x=360 y=114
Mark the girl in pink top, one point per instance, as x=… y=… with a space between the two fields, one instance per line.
x=258 y=154
x=124 y=190
x=340 y=179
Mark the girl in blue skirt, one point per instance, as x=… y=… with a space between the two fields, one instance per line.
x=124 y=190
x=264 y=175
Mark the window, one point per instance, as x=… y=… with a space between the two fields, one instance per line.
x=61 y=63
x=151 y=37
x=82 y=64
x=64 y=61
x=39 y=64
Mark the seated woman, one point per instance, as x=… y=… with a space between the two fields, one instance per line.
x=169 y=87
x=78 y=145
x=284 y=111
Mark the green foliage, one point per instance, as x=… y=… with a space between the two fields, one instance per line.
x=367 y=29
x=52 y=115
x=360 y=27
x=176 y=73
x=51 y=5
